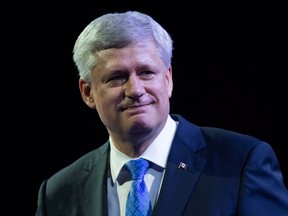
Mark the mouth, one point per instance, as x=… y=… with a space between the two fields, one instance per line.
x=132 y=107
x=135 y=107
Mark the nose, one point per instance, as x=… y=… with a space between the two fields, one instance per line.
x=134 y=88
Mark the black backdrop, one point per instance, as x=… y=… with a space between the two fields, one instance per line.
x=228 y=70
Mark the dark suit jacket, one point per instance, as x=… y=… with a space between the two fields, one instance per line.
x=227 y=173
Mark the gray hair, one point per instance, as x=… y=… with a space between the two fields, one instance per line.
x=117 y=30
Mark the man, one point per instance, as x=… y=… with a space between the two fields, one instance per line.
x=124 y=64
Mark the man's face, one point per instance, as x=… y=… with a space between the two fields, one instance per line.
x=130 y=88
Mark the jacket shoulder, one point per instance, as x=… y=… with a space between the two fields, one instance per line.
x=79 y=168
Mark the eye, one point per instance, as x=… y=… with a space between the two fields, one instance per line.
x=116 y=81
x=147 y=74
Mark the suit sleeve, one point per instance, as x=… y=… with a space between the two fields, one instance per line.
x=263 y=190
x=41 y=205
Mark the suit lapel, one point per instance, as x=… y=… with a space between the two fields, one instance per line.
x=182 y=171
x=93 y=187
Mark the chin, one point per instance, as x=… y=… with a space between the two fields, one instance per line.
x=141 y=123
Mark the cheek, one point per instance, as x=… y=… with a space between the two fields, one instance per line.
x=106 y=101
x=103 y=108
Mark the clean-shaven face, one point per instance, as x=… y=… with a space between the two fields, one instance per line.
x=131 y=88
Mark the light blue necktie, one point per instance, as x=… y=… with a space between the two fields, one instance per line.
x=138 y=201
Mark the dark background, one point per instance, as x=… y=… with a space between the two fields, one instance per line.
x=229 y=66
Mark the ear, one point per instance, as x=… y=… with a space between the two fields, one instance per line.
x=86 y=93
x=169 y=81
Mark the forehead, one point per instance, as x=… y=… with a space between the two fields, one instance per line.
x=136 y=53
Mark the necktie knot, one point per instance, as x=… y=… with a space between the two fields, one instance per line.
x=137 y=168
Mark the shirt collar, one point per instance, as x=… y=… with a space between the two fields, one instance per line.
x=157 y=152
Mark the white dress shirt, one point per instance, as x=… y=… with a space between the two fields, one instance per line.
x=119 y=183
